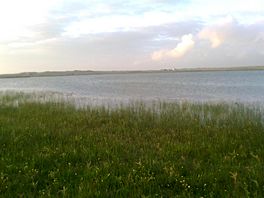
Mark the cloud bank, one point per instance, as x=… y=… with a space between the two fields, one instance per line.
x=180 y=50
x=129 y=35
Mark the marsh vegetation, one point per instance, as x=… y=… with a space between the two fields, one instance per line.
x=164 y=150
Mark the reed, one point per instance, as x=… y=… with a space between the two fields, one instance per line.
x=165 y=150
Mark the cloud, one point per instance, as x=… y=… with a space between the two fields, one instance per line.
x=16 y=16
x=228 y=31
x=213 y=36
x=115 y=34
x=218 y=32
x=186 y=44
x=233 y=43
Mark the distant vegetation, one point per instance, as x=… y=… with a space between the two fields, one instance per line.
x=89 y=72
x=167 y=150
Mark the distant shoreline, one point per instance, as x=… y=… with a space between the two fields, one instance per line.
x=89 y=72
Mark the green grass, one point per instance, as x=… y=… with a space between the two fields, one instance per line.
x=168 y=150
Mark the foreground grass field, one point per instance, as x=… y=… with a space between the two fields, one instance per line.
x=170 y=150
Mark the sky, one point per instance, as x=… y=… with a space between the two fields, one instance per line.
x=57 y=35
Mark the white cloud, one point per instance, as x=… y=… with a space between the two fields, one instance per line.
x=186 y=44
x=117 y=23
x=218 y=32
x=208 y=8
x=113 y=34
x=215 y=37
x=17 y=16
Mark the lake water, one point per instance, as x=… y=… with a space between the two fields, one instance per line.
x=224 y=86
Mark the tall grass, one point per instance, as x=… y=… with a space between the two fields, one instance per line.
x=167 y=150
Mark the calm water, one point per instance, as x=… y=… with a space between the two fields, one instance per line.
x=241 y=86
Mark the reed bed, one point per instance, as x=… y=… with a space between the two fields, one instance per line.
x=53 y=149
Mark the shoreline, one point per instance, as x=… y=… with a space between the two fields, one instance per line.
x=90 y=72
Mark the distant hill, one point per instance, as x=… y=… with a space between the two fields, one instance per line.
x=89 y=72
x=46 y=73
x=248 y=68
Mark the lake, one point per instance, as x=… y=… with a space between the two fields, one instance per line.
x=221 y=86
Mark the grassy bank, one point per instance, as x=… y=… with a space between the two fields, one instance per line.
x=184 y=150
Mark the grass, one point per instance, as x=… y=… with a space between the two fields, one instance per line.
x=168 y=150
